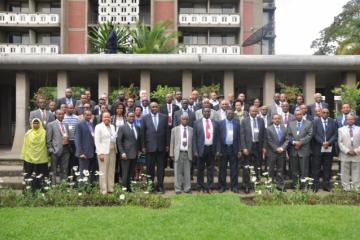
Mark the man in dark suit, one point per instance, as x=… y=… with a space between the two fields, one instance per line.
x=84 y=144
x=68 y=99
x=229 y=139
x=297 y=106
x=129 y=145
x=277 y=144
x=179 y=113
x=155 y=143
x=319 y=103
x=325 y=135
x=244 y=106
x=341 y=120
x=111 y=42
x=265 y=115
x=252 y=136
x=305 y=111
x=300 y=133
x=205 y=148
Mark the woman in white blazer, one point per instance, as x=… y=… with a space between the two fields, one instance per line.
x=105 y=142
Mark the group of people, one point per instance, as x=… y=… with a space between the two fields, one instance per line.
x=199 y=132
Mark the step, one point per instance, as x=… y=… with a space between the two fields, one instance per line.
x=11 y=170
x=10 y=161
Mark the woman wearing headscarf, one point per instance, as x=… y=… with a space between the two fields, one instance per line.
x=35 y=155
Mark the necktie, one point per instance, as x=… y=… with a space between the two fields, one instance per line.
x=43 y=115
x=170 y=115
x=155 y=122
x=207 y=130
x=351 y=132
x=325 y=128
x=184 y=142
x=256 y=132
x=62 y=128
x=286 y=119
x=298 y=127
x=278 y=133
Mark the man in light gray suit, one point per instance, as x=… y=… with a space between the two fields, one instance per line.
x=181 y=153
x=299 y=136
x=57 y=138
x=221 y=113
x=41 y=113
x=275 y=107
x=206 y=104
x=349 y=144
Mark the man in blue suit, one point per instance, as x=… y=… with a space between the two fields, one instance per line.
x=84 y=143
x=229 y=135
x=325 y=135
x=111 y=43
x=205 y=147
x=341 y=120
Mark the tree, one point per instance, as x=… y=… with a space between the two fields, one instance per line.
x=98 y=37
x=155 y=40
x=350 y=95
x=342 y=37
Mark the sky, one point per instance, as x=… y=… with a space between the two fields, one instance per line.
x=298 y=23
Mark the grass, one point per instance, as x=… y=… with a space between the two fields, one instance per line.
x=189 y=217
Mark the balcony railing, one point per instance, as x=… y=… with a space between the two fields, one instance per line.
x=42 y=19
x=211 y=49
x=209 y=19
x=9 y=48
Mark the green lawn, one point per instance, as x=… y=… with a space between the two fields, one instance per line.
x=189 y=217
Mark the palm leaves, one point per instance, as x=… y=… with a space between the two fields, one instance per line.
x=140 y=39
x=98 y=37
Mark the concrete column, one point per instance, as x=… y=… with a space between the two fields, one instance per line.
x=32 y=36
x=350 y=79
x=103 y=87
x=228 y=83
x=22 y=115
x=309 y=87
x=32 y=6
x=186 y=83
x=268 y=88
x=62 y=83
x=145 y=81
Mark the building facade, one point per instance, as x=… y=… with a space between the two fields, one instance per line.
x=207 y=26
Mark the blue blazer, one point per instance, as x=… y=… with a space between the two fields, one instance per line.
x=339 y=121
x=319 y=133
x=84 y=141
x=199 y=138
x=223 y=133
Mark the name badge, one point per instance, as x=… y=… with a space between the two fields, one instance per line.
x=70 y=127
x=256 y=130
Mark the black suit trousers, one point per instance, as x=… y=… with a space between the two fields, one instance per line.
x=158 y=159
x=206 y=159
x=231 y=157
x=254 y=159
x=324 y=161
x=127 y=168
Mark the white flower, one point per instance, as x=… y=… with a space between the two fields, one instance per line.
x=23 y=183
x=124 y=188
x=85 y=179
x=334 y=177
x=259 y=192
x=43 y=195
x=72 y=184
x=268 y=186
x=24 y=174
x=28 y=179
x=303 y=180
x=39 y=176
x=122 y=197
x=80 y=180
x=70 y=177
x=251 y=167
x=77 y=173
x=336 y=183
x=310 y=183
x=146 y=192
x=1 y=180
x=79 y=194
x=133 y=182
x=98 y=173
x=86 y=173
x=265 y=174
x=28 y=187
x=253 y=179
x=75 y=168
x=46 y=188
x=339 y=174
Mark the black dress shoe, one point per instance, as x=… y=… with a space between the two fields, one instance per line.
x=247 y=190
x=327 y=189
x=235 y=190
x=161 y=190
x=221 y=190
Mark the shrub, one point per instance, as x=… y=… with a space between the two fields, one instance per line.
x=214 y=87
x=160 y=93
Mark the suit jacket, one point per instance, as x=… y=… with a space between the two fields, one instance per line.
x=313 y=106
x=177 y=118
x=199 y=137
x=218 y=115
x=273 y=109
x=126 y=141
x=273 y=142
x=78 y=104
x=102 y=138
x=319 y=132
x=54 y=138
x=37 y=114
x=340 y=119
x=63 y=101
x=246 y=133
x=344 y=142
x=199 y=115
x=294 y=106
x=84 y=140
x=175 y=142
x=164 y=110
x=305 y=136
x=268 y=119
x=291 y=118
x=155 y=140
x=236 y=135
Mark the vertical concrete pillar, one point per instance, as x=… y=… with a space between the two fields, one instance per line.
x=268 y=88
x=103 y=87
x=186 y=83
x=32 y=6
x=32 y=36
x=62 y=83
x=350 y=79
x=21 y=113
x=228 y=83
x=309 y=87
x=145 y=81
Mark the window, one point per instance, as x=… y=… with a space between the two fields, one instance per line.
x=18 y=7
x=48 y=7
x=19 y=38
x=215 y=39
x=199 y=8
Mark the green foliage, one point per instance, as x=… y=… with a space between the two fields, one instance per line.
x=291 y=91
x=131 y=91
x=98 y=38
x=160 y=93
x=349 y=94
x=214 y=87
x=49 y=93
x=154 y=40
x=342 y=37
